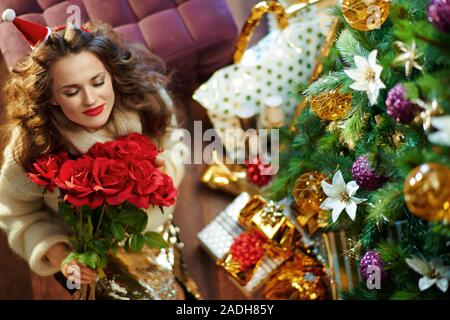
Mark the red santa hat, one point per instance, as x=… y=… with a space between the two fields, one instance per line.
x=33 y=32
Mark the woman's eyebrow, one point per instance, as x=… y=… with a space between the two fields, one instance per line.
x=74 y=85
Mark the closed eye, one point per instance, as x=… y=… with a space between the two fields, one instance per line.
x=99 y=84
x=71 y=94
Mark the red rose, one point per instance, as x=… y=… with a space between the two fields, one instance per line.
x=165 y=195
x=148 y=149
x=117 y=149
x=130 y=147
x=75 y=178
x=111 y=178
x=45 y=169
x=98 y=150
x=147 y=179
x=126 y=150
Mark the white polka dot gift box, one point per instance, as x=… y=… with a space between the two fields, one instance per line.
x=270 y=68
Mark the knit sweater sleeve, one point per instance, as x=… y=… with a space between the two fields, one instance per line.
x=30 y=229
x=174 y=150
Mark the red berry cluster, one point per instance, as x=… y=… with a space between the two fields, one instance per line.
x=247 y=249
x=255 y=172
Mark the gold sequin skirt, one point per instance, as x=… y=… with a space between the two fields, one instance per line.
x=152 y=274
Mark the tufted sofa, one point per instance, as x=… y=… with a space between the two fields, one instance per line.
x=194 y=37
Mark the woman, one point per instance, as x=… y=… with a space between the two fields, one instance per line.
x=78 y=87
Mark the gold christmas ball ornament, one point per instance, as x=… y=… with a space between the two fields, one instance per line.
x=365 y=15
x=308 y=193
x=331 y=105
x=427 y=191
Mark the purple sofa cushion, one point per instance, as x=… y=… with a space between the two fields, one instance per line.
x=193 y=37
x=143 y=9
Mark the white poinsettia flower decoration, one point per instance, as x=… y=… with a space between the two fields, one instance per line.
x=442 y=136
x=340 y=197
x=367 y=76
x=433 y=272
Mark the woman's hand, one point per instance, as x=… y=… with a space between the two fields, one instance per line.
x=73 y=270
x=76 y=271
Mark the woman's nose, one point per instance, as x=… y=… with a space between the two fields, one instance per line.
x=88 y=98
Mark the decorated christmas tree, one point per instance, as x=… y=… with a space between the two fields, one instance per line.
x=370 y=148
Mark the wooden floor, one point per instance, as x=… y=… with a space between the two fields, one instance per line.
x=197 y=205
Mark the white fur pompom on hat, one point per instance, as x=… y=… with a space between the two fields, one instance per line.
x=8 y=15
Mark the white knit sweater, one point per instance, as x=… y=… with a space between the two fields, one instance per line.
x=29 y=216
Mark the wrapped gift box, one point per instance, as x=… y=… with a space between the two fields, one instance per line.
x=217 y=237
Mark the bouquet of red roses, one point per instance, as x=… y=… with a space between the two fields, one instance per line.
x=103 y=194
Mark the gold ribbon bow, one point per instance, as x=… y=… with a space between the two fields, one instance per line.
x=229 y=178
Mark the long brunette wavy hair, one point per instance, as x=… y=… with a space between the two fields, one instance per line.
x=136 y=74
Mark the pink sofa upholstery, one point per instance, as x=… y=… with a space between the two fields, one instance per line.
x=194 y=37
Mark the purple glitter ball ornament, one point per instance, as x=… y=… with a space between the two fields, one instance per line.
x=439 y=14
x=400 y=108
x=365 y=176
x=369 y=263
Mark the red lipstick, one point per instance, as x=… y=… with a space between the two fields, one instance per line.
x=95 y=111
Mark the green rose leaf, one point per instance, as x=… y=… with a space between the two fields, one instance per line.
x=117 y=231
x=155 y=240
x=137 y=242
x=113 y=212
x=100 y=246
x=142 y=223
x=129 y=216
x=90 y=259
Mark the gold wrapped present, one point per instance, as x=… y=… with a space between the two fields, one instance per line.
x=286 y=239
x=267 y=218
x=264 y=216
x=250 y=261
x=218 y=237
x=254 y=205
x=301 y=278
x=251 y=280
x=231 y=178
x=310 y=222
x=233 y=268
x=245 y=255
